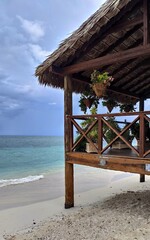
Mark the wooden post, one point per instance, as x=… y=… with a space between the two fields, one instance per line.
x=69 y=173
x=100 y=135
x=141 y=108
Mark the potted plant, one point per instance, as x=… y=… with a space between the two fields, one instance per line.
x=109 y=103
x=100 y=82
x=87 y=99
x=127 y=107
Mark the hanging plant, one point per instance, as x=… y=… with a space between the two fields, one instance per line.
x=87 y=100
x=127 y=107
x=109 y=103
x=100 y=82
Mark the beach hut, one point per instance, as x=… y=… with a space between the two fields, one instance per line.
x=115 y=39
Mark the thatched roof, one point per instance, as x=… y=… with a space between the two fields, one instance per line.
x=97 y=37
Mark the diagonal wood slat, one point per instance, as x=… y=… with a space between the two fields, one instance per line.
x=119 y=135
x=146 y=153
x=84 y=134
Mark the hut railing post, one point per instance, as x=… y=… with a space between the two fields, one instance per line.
x=69 y=171
x=100 y=135
x=141 y=108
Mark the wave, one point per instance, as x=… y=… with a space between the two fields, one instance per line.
x=7 y=182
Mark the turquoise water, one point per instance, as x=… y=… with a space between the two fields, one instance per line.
x=29 y=158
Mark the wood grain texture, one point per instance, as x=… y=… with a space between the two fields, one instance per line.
x=132 y=165
x=69 y=171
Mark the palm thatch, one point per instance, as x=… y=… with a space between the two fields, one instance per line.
x=98 y=37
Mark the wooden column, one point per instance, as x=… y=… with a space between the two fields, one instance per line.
x=145 y=42
x=141 y=108
x=69 y=173
x=100 y=135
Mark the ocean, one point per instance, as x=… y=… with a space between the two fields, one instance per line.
x=29 y=158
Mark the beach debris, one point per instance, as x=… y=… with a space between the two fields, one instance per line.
x=34 y=222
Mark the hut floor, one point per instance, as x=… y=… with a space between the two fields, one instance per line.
x=124 y=160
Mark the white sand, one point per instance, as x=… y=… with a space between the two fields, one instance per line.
x=119 y=211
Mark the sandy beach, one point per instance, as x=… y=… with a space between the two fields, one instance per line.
x=116 y=207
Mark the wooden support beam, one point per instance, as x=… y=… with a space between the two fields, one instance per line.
x=122 y=80
x=141 y=108
x=140 y=75
x=69 y=173
x=124 y=65
x=126 y=24
x=120 y=40
x=107 y=60
x=141 y=105
x=143 y=82
x=95 y=158
x=145 y=23
x=117 y=163
x=100 y=135
x=123 y=114
x=121 y=92
x=147 y=86
x=142 y=137
x=146 y=94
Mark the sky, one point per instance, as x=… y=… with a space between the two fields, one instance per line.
x=30 y=30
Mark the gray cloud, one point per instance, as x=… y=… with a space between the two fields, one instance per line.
x=29 y=31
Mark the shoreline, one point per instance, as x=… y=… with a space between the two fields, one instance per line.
x=32 y=214
x=52 y=186
x=115 y=202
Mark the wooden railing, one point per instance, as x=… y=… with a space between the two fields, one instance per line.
x=99 y=120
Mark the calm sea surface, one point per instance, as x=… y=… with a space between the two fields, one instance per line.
x=27 y=158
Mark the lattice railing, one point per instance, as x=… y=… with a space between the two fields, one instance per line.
x=100 y=122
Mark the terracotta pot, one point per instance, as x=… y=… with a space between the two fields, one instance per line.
x=90 y=148
x=88 y=102
x=99 y=89
x=110 y=107
x=127 y=109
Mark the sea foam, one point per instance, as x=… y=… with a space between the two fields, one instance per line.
x=7 y=182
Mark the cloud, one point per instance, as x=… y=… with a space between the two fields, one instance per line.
x=33 y=28
x=38 y=53
x=52 y=103
x=96 y=2
x=9 y=106
x=24 y=38
x=14 y=97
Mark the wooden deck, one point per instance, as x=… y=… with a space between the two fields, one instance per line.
x=132 y=159
x=119 y=160
x=126 y=152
